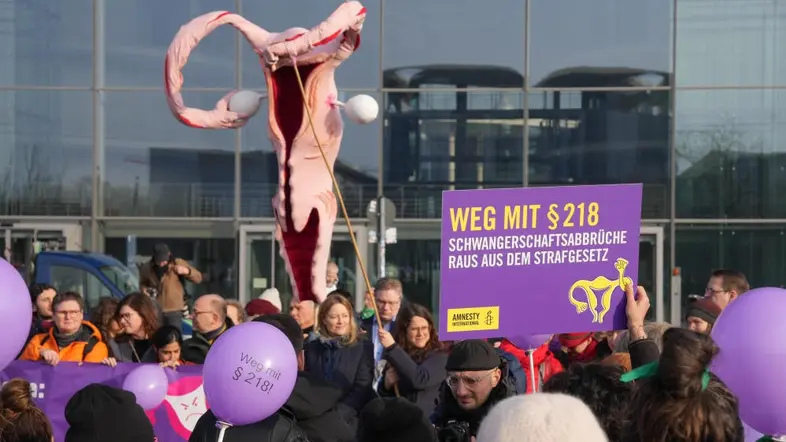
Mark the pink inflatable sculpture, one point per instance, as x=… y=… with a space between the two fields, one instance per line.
x=304 y=206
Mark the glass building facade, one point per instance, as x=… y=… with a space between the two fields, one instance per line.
x=686 y=96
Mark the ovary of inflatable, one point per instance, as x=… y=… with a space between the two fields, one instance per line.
x=304 y=206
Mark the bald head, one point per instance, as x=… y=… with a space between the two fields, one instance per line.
x=210 y=313
x=332 y=274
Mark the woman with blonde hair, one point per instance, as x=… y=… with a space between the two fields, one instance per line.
x=341 y=356
x=21 y=420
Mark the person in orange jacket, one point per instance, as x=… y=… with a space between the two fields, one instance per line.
x=71 y=339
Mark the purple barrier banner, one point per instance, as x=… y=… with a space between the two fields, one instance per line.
x=52 y=387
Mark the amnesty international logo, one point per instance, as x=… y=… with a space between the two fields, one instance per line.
x=473 y=319
x=603 y=285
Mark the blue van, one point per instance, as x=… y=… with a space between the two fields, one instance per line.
x=91 y=274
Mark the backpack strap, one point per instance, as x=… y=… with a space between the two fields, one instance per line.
x=287 y=427
x=44 y=341
x=92 y=341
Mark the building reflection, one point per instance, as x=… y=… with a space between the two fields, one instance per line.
x=200 y=183
x=439 y=140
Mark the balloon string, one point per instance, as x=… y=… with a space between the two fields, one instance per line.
x=222 y=429
x=531 y=357
x=338 y=193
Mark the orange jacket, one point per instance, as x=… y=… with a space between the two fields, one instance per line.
x=87 y=348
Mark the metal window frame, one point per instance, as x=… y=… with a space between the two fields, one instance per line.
x=98 y=89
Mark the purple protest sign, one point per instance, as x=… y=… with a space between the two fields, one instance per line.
x=52 y=387
x=537 y=260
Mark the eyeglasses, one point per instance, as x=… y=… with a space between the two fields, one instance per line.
x=468 y=381
x=65 y=313
x=387 y=303
x=125 y=316
x=714 y=291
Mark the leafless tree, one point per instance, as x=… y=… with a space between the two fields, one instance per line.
x=724 y=140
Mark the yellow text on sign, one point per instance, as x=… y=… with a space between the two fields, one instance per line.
x=473 y=319
x=523 y=217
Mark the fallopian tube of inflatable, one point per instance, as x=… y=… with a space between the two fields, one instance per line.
x=304 y=206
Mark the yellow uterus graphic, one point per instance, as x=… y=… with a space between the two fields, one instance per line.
x=600 y=284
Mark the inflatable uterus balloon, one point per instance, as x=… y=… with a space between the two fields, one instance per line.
x=304 y=206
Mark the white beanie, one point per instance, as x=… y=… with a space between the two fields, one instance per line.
x=272 y=296
x=541 y=417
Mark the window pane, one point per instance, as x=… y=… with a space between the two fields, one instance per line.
x=155 y=166
x=731 y=42
x=437 y=141
x=602 y=138
x=758 y=251
x=46 y=43
x=357 y=168
x=45 y=153
x=731 y=160
x=416 y=264
x=462 y=43
x=73 y=279
x=138 y=34
x=600 y=43
x=360 y=71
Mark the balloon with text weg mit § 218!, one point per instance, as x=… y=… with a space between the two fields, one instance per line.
x=249 y=373
x=16 y=313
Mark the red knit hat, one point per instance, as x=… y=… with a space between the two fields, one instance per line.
x=704 y=309
x=572 y=340
x=261 y=307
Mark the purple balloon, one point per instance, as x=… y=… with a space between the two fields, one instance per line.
x=249 y=373
x=149 y=384
x=751 y=435
x=16 y=313
x=758 y=381
x=529 y=342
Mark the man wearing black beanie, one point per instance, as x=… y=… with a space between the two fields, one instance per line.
x=477 y=380
x=99 y=413
x=394 y=420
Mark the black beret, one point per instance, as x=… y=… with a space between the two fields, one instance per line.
x=473 y=355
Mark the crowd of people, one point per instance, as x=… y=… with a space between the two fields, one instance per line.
x=392 y=379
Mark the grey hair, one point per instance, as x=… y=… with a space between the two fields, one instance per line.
x=654 y=331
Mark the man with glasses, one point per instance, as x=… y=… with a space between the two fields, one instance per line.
x=71 y=339
x=725 y=286
x=477 y=380
x=388 y=295
x=210 y=320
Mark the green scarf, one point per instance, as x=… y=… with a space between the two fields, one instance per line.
x=367 y=313
x=649 y=370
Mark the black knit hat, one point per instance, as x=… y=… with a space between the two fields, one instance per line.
x=287 y=325
x=394 y=420
x=99 y=413
x=473 y=355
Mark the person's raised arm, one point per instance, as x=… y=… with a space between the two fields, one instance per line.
x=188 y=271
x=642 y=349
x=428 y=374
